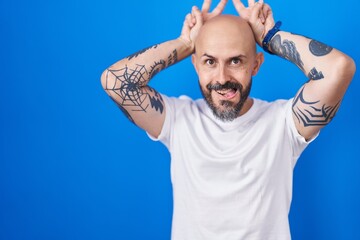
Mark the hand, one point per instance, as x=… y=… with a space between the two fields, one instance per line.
x=259 y=16
x=217 y=10
x=192 y=24
x=195 y=19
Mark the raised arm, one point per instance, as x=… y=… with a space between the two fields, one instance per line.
x=329 y=71
x=329 y=74
x=126 y=81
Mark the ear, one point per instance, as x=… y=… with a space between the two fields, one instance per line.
x=259 y=59
x=193 y=60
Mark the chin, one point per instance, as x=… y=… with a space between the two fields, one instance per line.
x=226 y=107
x=227 y=111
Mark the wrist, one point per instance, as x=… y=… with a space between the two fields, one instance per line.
x=270 y=34
x=188 y=44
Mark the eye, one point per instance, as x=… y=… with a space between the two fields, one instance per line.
x=210 y=62
x=235 y=61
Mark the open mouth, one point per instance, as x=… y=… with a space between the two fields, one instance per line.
x=227 y=93
x=227 y=90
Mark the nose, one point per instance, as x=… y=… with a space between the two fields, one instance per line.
x=223 y=75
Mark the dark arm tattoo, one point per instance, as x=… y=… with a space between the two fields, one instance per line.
x=310 y=113
x=173 y=58
x=130 y=86
x=160 y=65
x=315 y=75
x=156 y=101
x=319 y=49
x=156 y=68
x=287 y=50
x=134 y=55
x=313 y=114
x=125 y=112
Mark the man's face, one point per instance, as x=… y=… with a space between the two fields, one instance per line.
x=225 y=66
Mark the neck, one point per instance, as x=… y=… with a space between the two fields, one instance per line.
x=247 y=105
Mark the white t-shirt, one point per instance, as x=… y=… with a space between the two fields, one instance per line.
x=231 y=180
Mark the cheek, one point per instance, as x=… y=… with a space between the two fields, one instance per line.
x=203 y=86
x=205 y=78
x=244 y=75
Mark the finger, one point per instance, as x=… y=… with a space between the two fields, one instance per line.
x=220 y=7
x=188 y=21
x=193 y=18
x=255 y=14
x=197 y=16
x=262 y=17
x=251 y=3
x=239 y=6
x=262 y=12
x=206 y=6
x=266 y=10
x=186 y=26
x=188 y=17
x=270 y=22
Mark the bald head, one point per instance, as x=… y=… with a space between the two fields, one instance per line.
x=225 y=32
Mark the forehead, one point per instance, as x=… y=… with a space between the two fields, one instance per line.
x=220 y=46
x=224 y=48
x=224 y=38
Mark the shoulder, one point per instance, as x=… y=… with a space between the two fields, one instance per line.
x=182 y=100
x=184 y=103
x=278 y=106
x=273 y=103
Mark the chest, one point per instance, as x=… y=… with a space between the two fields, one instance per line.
x=256 y=150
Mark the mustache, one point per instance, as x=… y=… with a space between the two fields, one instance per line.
x=227 y=85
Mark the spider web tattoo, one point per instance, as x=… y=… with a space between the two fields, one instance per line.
x=129 y=85
x=313 y=115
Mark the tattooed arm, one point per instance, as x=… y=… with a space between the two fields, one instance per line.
x=329 y=74
x=126 y=81
x=329 y=71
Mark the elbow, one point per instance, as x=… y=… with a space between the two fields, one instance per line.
x=104 y=79
x=346 y=68
x=353 y=67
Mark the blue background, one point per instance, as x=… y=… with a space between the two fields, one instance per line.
x=73 y=167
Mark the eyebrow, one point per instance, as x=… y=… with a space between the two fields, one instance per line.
x=237 y=56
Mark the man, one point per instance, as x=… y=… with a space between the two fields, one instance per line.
x=232 y=156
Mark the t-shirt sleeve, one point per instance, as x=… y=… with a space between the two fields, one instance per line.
x=299 y=143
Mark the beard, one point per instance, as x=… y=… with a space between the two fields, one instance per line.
x=227 y=111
